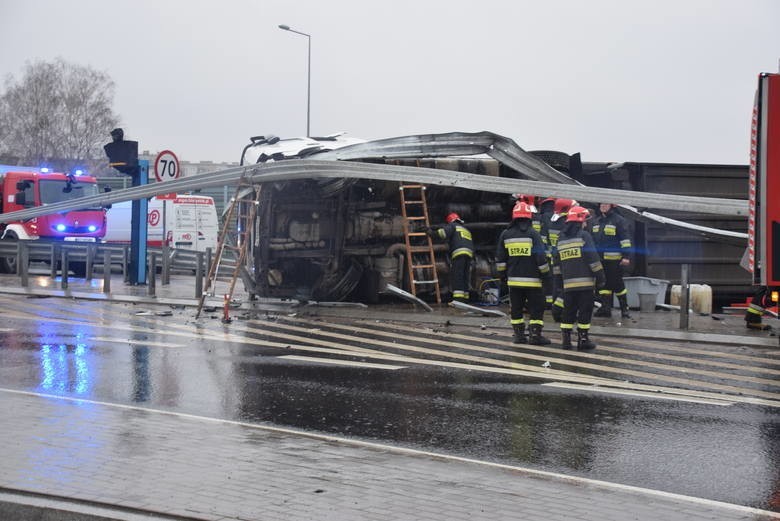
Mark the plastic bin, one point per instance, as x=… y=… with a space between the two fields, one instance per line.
x=700 y=298
x=647 y=302
x=637 y=285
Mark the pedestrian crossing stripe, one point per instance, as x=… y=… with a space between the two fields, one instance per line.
x=645 y=394
x=341 y=362
x=737 y=394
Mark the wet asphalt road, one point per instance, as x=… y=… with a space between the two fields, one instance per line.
x=462 y=392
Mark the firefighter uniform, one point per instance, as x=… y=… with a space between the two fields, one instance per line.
x=461 y=249
x=755 y=311
x=553 y=226
x=522 y=258
x=544 y=230
x=613 y=241
x=540 y=221
x=582 y=273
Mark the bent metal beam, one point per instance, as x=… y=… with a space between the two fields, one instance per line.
x=317 y=169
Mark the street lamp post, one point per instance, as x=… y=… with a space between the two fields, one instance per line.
x=308 y=85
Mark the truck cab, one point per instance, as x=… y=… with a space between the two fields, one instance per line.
x=28 y=189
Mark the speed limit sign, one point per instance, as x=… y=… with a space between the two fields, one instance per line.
x=166 y=166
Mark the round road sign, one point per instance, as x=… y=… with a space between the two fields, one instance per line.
x=154 y=217
x=166 y=166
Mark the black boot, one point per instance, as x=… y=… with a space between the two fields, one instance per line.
x=583 y=341
x=623 y=300
x=566 y=339
x=520 y=337
x=606 y=306
x=536 y=337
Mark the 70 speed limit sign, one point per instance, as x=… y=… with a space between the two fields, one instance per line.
x=166 y=166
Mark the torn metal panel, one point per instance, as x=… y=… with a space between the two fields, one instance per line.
x=392 y=290
x=723 y=235
x=452 y=144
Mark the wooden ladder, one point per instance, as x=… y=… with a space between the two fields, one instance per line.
x=419 y=247
x=236 y=241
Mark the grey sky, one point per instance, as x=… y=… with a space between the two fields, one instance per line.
x=617 y=80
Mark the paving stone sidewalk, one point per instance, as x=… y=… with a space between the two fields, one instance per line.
x=199 y=468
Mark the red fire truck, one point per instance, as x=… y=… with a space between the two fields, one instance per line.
x=26 y=189
x=763 y=253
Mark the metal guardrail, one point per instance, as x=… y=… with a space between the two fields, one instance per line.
x=82 y=258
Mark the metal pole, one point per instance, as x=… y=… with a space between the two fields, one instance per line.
x=199 y=273
x=106 y=271
x=53 y=261
x=64 y=269
x=24 y=263
x=91 y=252
x=166 y=263
x=684 y=294
x=152 y=273
x=308 y=92
x=308 y=74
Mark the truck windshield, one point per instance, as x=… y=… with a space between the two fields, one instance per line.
x=53 y=191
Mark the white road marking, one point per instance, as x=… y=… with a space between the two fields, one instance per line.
x=658 y=396
x=420 y=453
x=340 y=362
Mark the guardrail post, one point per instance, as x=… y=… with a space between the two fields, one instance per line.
x=89 y=260
x=53 y=261
x=152 y=273
x=199 y=273
x=64 y=268
x=24 y=263
x=126 y=263
x=685 y=290
x=18 y=257
x=106 y=271
x=166 y=265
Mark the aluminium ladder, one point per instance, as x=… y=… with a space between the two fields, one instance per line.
x=236 y=241
x=420 y=259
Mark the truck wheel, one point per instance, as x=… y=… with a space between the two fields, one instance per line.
x=8 y=264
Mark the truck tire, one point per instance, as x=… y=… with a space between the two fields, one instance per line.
x=8 y=264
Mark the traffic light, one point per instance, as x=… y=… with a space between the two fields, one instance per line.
x=122 y=155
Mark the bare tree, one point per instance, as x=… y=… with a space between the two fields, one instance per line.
x=58 y=113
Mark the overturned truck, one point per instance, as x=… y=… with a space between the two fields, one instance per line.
x=343 y=238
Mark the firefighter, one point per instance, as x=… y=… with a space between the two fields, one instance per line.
x=755 y=311
x=582 y=272
x=536 y=220
x=461 y=249
x=613 y=242
x=521 y=258
x=553 y=229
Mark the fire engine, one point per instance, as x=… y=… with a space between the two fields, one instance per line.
x=763 y=253
x=27 y=188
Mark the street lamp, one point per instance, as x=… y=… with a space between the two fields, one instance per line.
x=308 y=88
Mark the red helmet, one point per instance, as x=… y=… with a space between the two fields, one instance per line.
x=563 y=205
x=577 y=214
x=530 y=200
x=453 y=217
x=522 y=210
